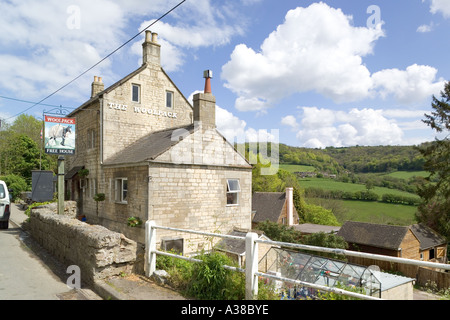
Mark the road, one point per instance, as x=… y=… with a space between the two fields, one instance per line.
x=27 y=272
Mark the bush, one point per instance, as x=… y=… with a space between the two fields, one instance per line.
x=207 y=280
x=211 y=281
x=15 y=183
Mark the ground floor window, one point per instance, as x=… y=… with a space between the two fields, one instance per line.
x=233 y=191
x=121 y=187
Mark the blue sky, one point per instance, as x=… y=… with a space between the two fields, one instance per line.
x=305 y=73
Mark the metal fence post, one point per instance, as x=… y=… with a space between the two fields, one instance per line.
x=150 y=248
x=251 y=266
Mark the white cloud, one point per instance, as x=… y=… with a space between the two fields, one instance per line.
x=320 y=128
x=442 y=6
x=425 y=28
x=290 y=121
x=410 y=86
x=315 y=49
x=318 y=49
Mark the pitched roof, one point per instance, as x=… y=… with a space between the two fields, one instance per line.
x=151 y=146
x=118 y=84
x=267 y=205
x=428 y=238
x=237 y=246
x=376 y=235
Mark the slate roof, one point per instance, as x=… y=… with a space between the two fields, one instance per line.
x=236 y=246
x=151 y=146
x=315 y=228
x=428 y=238
x=72 y=172
x=267 y=205
x=375 y=235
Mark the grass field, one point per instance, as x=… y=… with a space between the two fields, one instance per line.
x=368 y=211
x=329 y=184
x=408 y=174
x=364 y=211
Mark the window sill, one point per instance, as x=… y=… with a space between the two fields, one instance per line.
x=121 y=202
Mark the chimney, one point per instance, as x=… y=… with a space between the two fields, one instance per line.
x=290 y=206
x=151 y=49
x=205 y=104
x=97 y=86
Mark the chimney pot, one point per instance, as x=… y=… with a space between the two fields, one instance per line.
x=148 y=36
x=207 y=74
x=154 y=37
x=97 y=86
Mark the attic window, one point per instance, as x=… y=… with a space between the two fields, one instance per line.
x=233 y=190
x=136 y=93
x=169 y=99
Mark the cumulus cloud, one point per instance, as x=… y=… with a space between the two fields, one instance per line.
x=315 y=49
x=318 y=49
x=323 y=127
x=290 y=121
x=442 y=6
x=408 y=86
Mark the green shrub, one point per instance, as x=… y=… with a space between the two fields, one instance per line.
x=209 y=280
x=15 y=183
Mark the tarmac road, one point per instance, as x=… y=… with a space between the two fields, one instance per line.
x=27 y=273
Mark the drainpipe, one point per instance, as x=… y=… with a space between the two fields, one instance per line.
x=101 y=131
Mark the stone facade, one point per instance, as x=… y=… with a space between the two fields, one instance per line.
x=97 y=251
x=155 y=156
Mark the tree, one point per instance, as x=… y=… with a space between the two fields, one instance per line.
x=434 y=210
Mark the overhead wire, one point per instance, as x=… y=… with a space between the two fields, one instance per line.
x=96 y=64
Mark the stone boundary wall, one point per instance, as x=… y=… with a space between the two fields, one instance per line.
x=97 y=251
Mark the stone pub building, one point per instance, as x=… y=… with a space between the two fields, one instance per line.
x=154 y=156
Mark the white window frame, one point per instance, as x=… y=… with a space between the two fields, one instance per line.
x=133 y=85
x=169 y=101
x=92 y=187
x=119 y=190
x=91 y=139
x=233 y=193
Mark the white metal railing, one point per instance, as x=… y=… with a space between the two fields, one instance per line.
x=251 y=259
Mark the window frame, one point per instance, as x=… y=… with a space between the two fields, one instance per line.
x=119 y=190
x=138 y=86
x=171 y=99
x=233 y=192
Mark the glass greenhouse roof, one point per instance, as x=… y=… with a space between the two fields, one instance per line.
x=319 y=270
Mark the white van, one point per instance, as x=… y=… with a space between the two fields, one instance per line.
x=5 y=206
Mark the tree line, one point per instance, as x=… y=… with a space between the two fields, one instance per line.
x=21 y=152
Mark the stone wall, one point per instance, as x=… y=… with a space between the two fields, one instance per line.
x=97 y=251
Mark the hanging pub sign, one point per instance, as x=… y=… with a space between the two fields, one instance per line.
x=59 y=136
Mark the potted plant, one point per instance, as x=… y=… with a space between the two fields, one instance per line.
x=134 y=221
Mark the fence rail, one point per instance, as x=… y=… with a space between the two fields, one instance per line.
x=251 y=259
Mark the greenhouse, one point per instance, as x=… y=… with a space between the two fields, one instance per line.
x=317 y=270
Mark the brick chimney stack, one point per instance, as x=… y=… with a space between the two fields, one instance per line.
x=151 y=49
x=205 y=104
x=97 y=86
